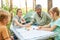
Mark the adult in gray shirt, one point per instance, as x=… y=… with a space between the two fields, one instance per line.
x=18 y=19
x=40 y=17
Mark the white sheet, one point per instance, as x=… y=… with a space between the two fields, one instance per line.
x=33 y=34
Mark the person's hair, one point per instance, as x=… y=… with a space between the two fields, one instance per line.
x=38 y=6
x=18 y=10
x=55 y=9
x=3 y=15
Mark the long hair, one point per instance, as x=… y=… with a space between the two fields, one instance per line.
x=3 y=15
x=55 y=9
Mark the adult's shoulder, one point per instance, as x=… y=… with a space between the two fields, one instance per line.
x=43 y=13
x=15 y=17
x=46 y=14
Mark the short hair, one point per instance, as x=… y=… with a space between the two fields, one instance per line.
x=3 y=15
x=18 y=10
x=55 y=9
x=38 y=6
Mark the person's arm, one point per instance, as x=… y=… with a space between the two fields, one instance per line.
x=45 y=19
x=19 y=24
x=49 y=29
x=45 y=26
x=32 y=21
x=49 y=19
x=23 y=20
x=5 y=34
x=29 y=24
x=56 y=24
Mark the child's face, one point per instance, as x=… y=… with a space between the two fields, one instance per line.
x=6 y=21
x=51 y=13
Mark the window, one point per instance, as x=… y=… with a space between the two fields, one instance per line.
x=43 y=3
x=56 y=3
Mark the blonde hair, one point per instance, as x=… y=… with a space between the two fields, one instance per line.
x=55 y=9
x=3 y=15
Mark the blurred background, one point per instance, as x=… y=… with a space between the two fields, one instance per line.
x=27 y=5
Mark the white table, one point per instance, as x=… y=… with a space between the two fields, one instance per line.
x=24 y=34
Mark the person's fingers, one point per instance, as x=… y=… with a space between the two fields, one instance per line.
x=37 y=28
x=12 y=37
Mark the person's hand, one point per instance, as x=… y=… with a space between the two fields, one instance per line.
x=39 y=27
x=23 y=20
x=12 y=38
x=27 y=25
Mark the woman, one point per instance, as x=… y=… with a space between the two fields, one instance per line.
x=55 y=23
x=18 y=20
x=4 y=19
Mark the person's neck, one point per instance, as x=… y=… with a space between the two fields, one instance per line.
x=19 y=16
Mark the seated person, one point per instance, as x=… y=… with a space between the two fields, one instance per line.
x=54 y=24
x=18 y=20
x=40 y=18
x=4 y=19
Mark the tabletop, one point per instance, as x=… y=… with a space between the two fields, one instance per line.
x=23 y=33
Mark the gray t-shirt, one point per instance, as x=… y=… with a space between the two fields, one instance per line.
x=42 y=20
x=16 y=18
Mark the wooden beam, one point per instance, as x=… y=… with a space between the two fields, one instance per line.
x=10 y=5
x=34 y=4
x=7 y=3
x=49 y=4
x=1 y=3
x=26 y=5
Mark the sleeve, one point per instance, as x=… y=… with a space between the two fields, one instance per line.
x=57 y=22
x=49 y=19
x=14 y=18
x=43 y=20
x=5 y=34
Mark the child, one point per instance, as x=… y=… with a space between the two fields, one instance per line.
x=4 y=34
x=54 y=24
x=18 y=20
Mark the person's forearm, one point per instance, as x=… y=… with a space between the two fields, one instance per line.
x=31 y=23
x=21 y=25
x=47 y=29
x=47 y=26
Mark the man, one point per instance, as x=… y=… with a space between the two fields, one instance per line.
x=40 y=17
